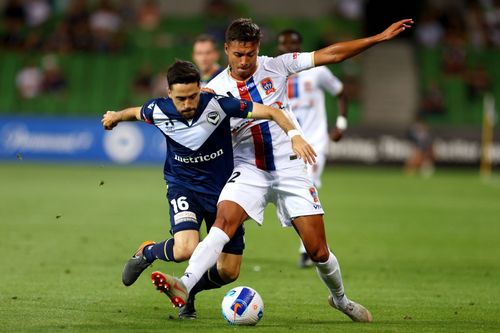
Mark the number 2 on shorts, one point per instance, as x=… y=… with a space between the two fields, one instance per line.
x=235 y=175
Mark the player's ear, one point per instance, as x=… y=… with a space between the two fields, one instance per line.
x=226 y=46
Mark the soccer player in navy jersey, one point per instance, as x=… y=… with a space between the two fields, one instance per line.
x=199 y=161
x=264 y=171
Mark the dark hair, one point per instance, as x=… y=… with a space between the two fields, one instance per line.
x=243 y=30
x=205 y=38
x=182 y=72
x=291 y=32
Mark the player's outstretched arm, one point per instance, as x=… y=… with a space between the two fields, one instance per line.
x=340 y=51
x=111 y=118
x=300 y=146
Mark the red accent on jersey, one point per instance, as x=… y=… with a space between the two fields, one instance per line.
x=290 y=87
x=243 y=105
x=258 y=142
x=243 y=90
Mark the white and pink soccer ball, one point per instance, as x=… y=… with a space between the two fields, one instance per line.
x=242 y=306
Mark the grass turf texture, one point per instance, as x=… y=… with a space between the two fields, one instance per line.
x=422 y=255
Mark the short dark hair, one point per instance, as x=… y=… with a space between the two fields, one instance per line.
x=182 y=72
x=243 y=30
x=291 y=32
x=205 y=38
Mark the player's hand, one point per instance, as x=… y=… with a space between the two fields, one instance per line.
x=336 y=134
x=208 y=90
x=303 y=150
x=110 y=119
x=395 y=29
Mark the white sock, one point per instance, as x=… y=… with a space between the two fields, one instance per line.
x=329 y=272
x=204 y=256
x=302 y=248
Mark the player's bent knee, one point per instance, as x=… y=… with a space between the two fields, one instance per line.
x=228 y=267
x=319 y=254
x=226 y=225
x=229 y=274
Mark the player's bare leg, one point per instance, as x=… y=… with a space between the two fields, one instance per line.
x=312 y=232
x=230 y=216
x=224 y=272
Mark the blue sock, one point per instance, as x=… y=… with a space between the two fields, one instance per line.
x=210 y=280
x=162 y=250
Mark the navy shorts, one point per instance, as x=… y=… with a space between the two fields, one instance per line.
x=188 y=209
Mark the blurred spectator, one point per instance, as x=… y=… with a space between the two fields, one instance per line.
x=37 y=12
x=492 y=17
x=143 y=80
x=14 y=17
x=53 y=78
x=432 y=103
x=34 y=40
x=219 y=14
x=429 y=32
x=350 y=9
x=60 y=39
x=477 y=29
x=421 y=159
x=148 y=15
x=454 y=54
x=160 y=84
x=29 y=80
x=77 y=20
x=206 y=56
x=478 y=81
x=105 y=25
x=127 y=11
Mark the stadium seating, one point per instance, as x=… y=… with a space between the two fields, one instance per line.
x=99 y=82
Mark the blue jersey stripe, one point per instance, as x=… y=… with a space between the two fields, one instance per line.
x=268 y=146
x=296 y=86
x=254 y=92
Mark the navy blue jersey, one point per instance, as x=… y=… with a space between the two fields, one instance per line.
x=199 y=151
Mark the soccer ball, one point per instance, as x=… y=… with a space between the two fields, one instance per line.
x=242 y=306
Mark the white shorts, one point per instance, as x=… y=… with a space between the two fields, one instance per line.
x=291 y=190
x=315 y=171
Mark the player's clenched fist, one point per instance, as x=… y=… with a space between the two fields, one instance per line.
x=110 y=119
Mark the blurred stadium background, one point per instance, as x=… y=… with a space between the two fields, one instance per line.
x=76 y=201
x=75 y=59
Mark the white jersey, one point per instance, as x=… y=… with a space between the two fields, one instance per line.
x=307 y=100
x=261 y=142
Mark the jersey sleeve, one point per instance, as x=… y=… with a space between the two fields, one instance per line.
x=329 y=82
x=147 y=111
x=234 y=107
x=291 y=63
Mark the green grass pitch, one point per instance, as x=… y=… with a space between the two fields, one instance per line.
x=422 y=254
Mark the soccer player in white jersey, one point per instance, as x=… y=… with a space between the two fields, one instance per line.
x=198 y=163
x=206 y=56
x=307 y=101
x=266 y=169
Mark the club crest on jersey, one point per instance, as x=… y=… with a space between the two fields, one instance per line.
x=243 y=105
x=169 y=125
x=213 y=117
x=267 y=85
x=314 y=194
